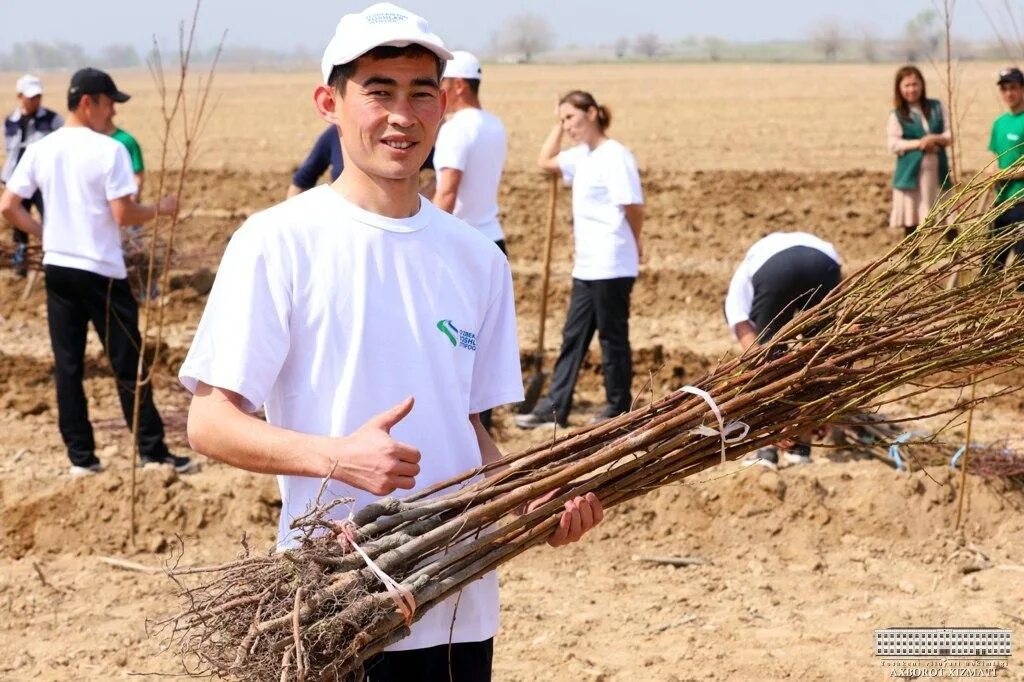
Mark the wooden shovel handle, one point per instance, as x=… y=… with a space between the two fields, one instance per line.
x=547 y=264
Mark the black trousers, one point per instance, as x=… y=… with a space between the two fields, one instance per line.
x=1006 y=222
x=20 y=236
x=73 y=299
x=462 y=662
x=792 y=280
x=595 y=305
x=486 y=417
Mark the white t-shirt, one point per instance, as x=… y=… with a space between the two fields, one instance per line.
x=740 y=297
x=327 y=314
x=78 y=171
x=473 y=141
x=603 y=181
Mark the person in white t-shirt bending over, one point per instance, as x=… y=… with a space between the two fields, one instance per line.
x=607 y=216
x=469 y=156
x=781 y=275
x=338 y=308
x=88 y=187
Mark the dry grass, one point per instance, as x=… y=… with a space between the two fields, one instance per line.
x=674 y=116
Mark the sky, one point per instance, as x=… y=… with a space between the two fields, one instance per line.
x=284 y=25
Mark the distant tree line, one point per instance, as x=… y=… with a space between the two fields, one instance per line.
x=525 y=37
x=921 y=39
x=35 y=55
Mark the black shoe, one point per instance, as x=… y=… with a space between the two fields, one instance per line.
x=608 y=412
x=182 y=465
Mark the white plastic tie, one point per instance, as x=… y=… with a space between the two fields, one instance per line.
x=724 y=430
x=403 y=598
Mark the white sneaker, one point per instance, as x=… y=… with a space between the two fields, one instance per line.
x=91 y=470
x=767 y=457
x=801 y=454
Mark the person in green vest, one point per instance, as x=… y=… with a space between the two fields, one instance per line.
x=918 y=134
x=1007 y=143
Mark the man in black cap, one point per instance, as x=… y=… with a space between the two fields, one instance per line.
x=1007 y=143
x=88 y=186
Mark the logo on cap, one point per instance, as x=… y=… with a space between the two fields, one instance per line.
x=385 y=18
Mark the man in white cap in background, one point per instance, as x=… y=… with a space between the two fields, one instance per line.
x=340 y=307
x=469 y=156
x=30 y=122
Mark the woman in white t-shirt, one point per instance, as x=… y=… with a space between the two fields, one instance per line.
x=607 y=214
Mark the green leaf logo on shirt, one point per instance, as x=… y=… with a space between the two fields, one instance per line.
x=450 y=330
x=459 y=338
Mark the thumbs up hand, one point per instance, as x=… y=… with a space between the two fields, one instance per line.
x=374 y=461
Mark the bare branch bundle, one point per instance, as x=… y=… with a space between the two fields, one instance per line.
x=995 y=461
x=320 y=609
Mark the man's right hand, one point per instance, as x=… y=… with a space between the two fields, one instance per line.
x=376 y=462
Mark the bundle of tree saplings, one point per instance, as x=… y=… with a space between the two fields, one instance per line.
x=353 y=585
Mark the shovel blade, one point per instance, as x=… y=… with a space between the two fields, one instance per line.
x=532 y=393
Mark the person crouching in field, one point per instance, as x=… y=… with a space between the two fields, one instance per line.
x=918 y=134
x=781 y=274
x=607 y=217
x=336 y=309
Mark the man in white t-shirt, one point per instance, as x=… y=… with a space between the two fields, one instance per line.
x=87 y=186
x=28 y=123
x=470 y=151
x=340 y=307
x=781 y=275
x=469 y=156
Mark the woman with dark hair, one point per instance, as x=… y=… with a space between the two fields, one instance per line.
x=607 y=216
x=918 y=134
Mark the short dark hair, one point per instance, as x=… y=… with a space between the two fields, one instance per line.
x=342 y=72
x=75 y=98
x=474 y=85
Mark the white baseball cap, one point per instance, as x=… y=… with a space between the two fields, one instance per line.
x=29 y=85
x=462 y=65
x=377 y=25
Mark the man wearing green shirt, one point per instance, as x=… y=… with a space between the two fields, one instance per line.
x=1007 y=143
x=135 y=252
x=134 y=151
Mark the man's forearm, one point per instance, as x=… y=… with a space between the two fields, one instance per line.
x=135 y=214
x=489 y=452
x=444 y=201
x=15 y=213
x=219 y=429
x=635 y=218
x=368 y=458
